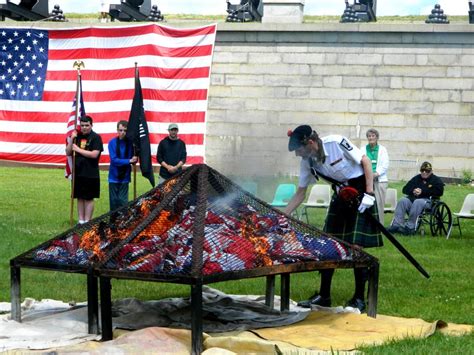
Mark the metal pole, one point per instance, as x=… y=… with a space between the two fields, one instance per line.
x=78 y=64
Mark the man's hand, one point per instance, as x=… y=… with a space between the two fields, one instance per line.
x=134 y=160
x=367 y=202
x=417 y=192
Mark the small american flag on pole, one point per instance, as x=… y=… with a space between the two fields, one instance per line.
x=73 y=124
x=38 y=84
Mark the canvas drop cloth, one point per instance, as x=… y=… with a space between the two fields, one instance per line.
x=58 y=327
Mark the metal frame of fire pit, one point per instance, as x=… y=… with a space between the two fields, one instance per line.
x=199 y=176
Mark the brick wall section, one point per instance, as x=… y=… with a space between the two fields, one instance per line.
x=414 y=83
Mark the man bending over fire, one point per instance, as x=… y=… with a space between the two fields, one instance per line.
x=335 y=159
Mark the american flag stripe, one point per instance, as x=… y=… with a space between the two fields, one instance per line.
x=167 y=33
x=104 y=106
x=54 y=117
x=54 y=138
x=93 y=87
x=33 y=152
x=162 y=73
x=100 y=96
x=145 y=50
x=174 y=69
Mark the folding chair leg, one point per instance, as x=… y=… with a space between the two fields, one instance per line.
x=305 y=212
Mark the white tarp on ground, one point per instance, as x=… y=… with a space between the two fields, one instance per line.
x=47 y=323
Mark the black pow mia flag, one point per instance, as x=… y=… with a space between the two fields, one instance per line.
x=138 y=134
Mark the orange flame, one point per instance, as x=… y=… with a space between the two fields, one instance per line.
x=260 y=243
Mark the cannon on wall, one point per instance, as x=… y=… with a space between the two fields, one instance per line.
x=30 y=10
x=246 y=11
x=135 y=10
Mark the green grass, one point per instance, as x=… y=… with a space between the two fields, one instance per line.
x=35 y=207
x=306 y=19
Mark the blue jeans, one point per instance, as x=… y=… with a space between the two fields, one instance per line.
x=118 y=195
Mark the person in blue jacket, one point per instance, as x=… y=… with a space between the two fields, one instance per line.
x=121 y=155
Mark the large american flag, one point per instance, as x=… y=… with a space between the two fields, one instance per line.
x=38 y=84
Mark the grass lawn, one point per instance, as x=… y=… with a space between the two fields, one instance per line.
x=35 y=207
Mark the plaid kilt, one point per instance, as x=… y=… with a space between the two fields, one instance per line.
x=348 y=224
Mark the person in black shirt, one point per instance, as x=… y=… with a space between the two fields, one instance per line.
x=419 y=191
x=171 y=154
x=87 y=146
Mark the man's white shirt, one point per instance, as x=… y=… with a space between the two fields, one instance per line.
x=343 y=161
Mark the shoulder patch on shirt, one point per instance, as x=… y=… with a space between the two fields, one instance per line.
x=346 y=145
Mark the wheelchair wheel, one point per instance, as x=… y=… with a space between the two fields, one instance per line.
x=441 y=219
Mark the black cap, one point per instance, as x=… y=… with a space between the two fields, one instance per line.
x=426 y=166
x=298 y=137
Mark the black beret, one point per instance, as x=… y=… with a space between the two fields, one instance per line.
x=298 y=136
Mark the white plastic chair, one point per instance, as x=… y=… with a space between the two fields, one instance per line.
x=319 y=197
x=467 y=211
x=390 y=200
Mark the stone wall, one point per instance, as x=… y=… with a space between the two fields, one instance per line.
x=414 y=83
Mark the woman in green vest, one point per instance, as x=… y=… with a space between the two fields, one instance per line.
x=379 y=157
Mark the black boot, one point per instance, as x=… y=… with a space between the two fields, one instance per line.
x=361 y=275
x=323 y=298
x=315 y=300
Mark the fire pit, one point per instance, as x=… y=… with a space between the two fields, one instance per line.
x=196 y=228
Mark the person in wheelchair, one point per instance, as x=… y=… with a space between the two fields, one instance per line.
x=419 y=191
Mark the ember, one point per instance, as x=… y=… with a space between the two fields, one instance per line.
x=196 y=228
x=229 y=244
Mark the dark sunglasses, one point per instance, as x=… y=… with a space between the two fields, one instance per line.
x=425 y=171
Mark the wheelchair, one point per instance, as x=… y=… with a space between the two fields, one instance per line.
x=437 y=216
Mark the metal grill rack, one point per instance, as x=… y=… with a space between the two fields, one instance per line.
x=194 y=229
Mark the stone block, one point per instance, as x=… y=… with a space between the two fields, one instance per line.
x=366 y=82
x=366 y=94
x=243 y=80
x=332 y=81
x=365 y=59
x=217 y=79
x=413 y=108
x=288 y=80
x=306 y=58
x=220 y=91
x=283 y=11
x=369 y=106
x=406 y=71
x=334 y=93
x=399 y=59
x=225 y=68
x=298 y=92
x=330 y=69
x=467 y=60
x=444 y=60
x=230 y=57
x=265 y=58
x=447 y=108
x=256 y=91
x=448 y=83
x=276 y=69
x=226 y=103
x=467 y=96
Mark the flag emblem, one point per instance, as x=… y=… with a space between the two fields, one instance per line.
x=174 y=73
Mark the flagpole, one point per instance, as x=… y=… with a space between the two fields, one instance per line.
x=134 y=178
x=134 y=148
x=78 y=64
